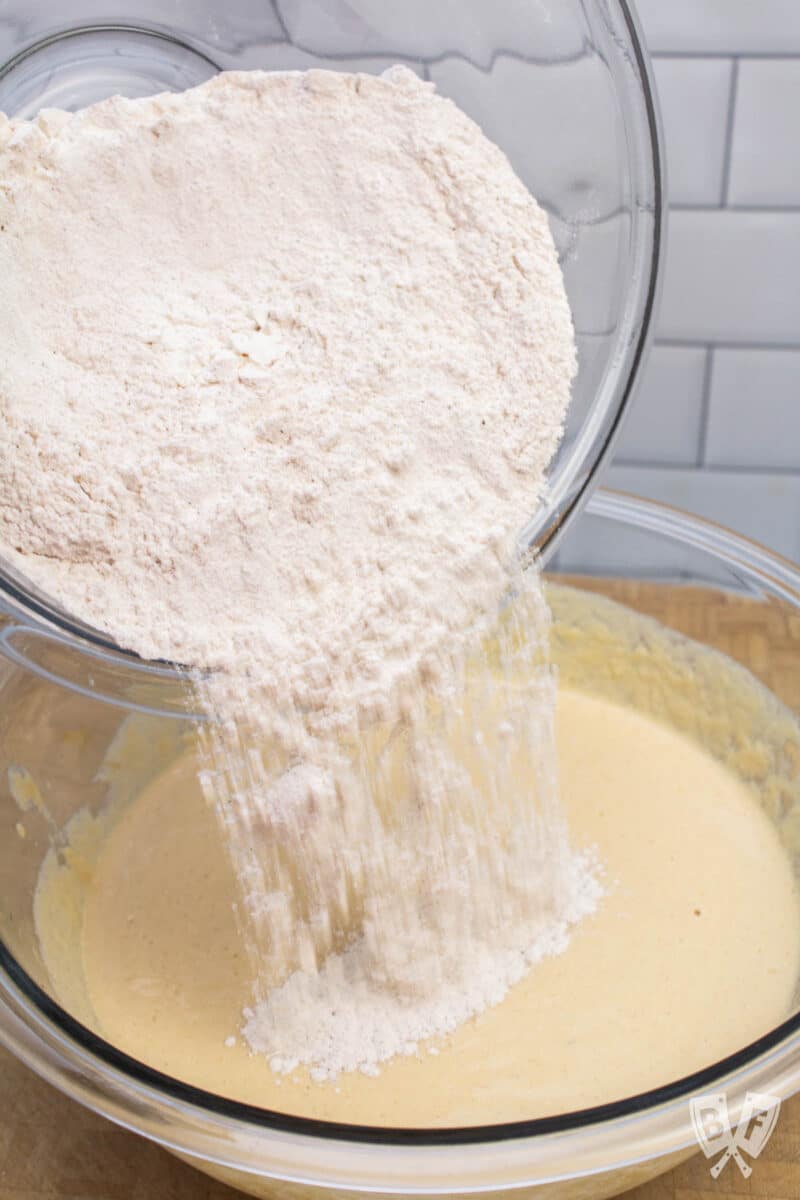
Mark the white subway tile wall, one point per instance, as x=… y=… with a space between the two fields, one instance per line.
x=732 y=276
x=666 y=418
x=764 y=153
x=715 y=426
x=694 y=95
x=721 y=26
x=753 y=410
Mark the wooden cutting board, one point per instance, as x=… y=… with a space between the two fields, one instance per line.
x=51 y=1147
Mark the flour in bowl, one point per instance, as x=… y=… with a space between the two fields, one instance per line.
x=286 y=359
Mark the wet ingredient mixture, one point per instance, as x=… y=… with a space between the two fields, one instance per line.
x=701 y=903
x=676 y=766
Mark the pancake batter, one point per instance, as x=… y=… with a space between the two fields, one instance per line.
x=693 y=952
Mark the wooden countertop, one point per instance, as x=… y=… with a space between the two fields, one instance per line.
x=51 y=1147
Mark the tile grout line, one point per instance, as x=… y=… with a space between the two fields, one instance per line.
x=728 y=152
x=705 y=408
x=746 y=55
x=781 y=209
x=708 y=469
x=724 y=344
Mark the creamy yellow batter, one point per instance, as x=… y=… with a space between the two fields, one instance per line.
x=694 y=951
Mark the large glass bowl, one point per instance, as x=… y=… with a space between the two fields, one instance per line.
x=563 y=86
x=61 y=705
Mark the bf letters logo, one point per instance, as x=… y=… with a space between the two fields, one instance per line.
x=719 y=1140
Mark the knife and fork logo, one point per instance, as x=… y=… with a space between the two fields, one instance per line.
x=717 y=1137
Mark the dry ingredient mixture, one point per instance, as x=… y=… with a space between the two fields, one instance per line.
x=286 y=359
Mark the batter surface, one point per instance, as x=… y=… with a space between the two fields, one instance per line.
x=693 y=953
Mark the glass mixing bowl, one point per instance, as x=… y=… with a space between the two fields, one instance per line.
x=62 y=704
x=563 y=86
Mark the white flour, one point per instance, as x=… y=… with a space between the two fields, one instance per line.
x=286 y=358
x=467 y=881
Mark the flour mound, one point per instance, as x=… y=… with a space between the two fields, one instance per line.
x=336 y=1019
x=410 y=883
x=286 y=357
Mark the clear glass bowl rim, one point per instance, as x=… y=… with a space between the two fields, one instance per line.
x=276 y=1145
